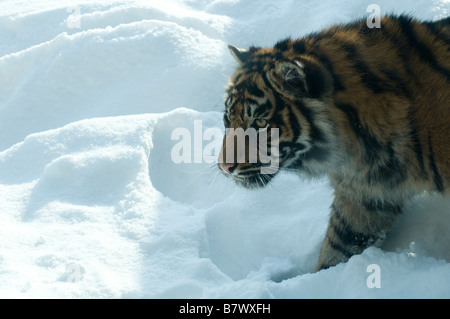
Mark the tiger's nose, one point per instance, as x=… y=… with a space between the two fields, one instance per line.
x=229 y=168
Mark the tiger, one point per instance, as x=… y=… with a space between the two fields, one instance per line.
x=367 y=108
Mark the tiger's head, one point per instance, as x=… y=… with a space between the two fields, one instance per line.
x=275 y=116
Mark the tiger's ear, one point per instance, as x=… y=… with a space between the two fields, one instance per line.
x=240 y=55
x=289 y=79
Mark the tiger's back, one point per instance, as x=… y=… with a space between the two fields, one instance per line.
x=405 y=64
x=370 y=108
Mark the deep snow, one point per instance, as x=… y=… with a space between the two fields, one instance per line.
x=92 y=204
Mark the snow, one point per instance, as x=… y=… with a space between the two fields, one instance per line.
x=92 y=204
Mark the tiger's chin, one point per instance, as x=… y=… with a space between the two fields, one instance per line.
x=255 y=181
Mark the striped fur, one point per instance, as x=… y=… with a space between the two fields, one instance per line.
x=370 y=108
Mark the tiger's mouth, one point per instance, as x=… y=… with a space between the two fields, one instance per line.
x=249 y=179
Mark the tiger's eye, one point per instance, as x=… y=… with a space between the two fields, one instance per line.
x=261 y=123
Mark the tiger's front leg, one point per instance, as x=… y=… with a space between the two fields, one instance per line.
x=353 y=226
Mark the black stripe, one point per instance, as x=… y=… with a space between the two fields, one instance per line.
x=266 y=82
x=282 y=45
x=249 y=110
x=352 y=239
x=422 y=50
x=337 y=83
x=437 y=177
x=385 y=167
x=346 y=235
x=388 y=79
x=395 y=83
x=417 y=146
x=250 y=101
x=368 y=78
x=398 y=45
x=299 y=46
x=255 y=91
x=226 y=121
x=263 y=109
x=372 y=147
x=436 y=29
x=266 y=55
x=279 y=104
x=390 y=172
x=232 y=106
x=315 y=78
x=295 y=124
x=315 y=134
x=317 y=153
x=242 y=85
x=237 y=78
x=258 y=65
x=295 y=127
x=278 y=55
x=366 y=33
x=339 y=248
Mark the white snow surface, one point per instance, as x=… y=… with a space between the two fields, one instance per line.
x=92 y=204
